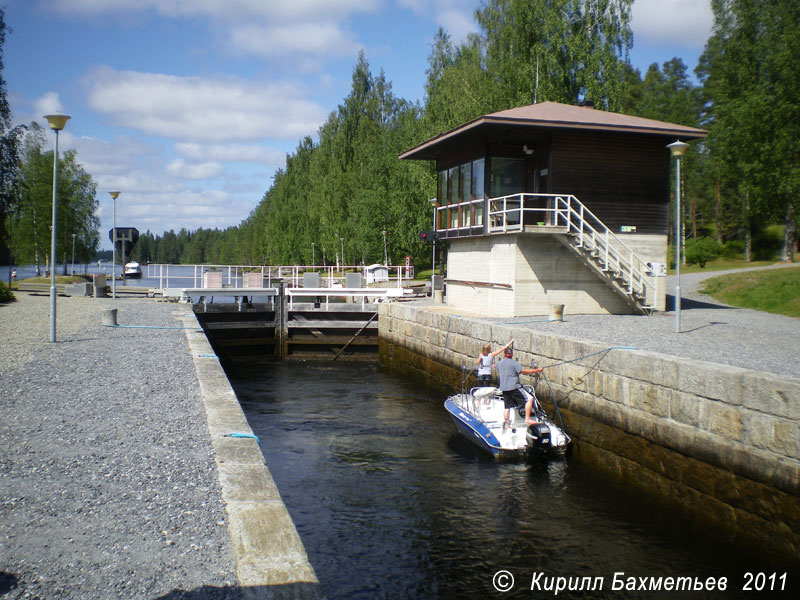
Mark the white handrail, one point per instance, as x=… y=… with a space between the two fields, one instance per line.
x=565 y=210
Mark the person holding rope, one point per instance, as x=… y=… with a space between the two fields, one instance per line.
x=486 y=362
x=514 y=395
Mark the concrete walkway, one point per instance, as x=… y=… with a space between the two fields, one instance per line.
x=710 y=331
x=118 y=475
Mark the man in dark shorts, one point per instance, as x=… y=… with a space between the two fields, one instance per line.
x=514 y=396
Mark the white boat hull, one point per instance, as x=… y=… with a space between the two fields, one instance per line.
x=480 y=420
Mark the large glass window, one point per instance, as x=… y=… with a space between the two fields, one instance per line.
x=506 y=176
x=477 y=190
x=465 y=172
x=462 y=186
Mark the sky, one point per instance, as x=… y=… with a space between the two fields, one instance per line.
x=188 y=107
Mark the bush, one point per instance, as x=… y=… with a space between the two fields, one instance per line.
x=6 y=295
x=734 y=249
x=701 y=250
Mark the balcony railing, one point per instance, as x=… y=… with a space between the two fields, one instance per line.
x=558 y=213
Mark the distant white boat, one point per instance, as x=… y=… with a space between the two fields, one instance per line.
x=133 y=270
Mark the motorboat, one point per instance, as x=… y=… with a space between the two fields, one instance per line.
x=133 y=270
x=478 y=416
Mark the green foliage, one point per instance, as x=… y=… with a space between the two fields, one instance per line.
x=775 y=291
x=6 y=295
x=30 y=223
x=702 y=250
x=574 y=49
x=751 y=72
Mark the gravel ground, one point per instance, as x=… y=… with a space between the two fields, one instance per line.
x=109 y=488
x=710 y=331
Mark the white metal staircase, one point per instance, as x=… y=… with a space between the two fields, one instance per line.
x=585 y=235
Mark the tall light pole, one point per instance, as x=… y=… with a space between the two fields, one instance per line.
x=678 y=149
x=73 y=254
x=342 y=240
x=114 y=195
x=312 y=254
x=385 y=254
x=57 y=123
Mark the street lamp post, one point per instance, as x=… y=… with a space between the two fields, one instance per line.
x=73 y=255
x=114 y=195
x=312 y=254
x=678 y=149
x=57 y=123
x=342 y=240
x=385 y=254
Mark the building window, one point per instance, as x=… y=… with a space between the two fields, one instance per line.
x=506 y=176
x=477 y=189
x=461 y=189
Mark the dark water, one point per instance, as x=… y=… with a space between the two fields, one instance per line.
x=391 y=503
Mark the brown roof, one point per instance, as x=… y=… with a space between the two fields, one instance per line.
x=553 y=115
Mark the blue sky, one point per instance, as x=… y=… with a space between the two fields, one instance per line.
x=187 y=107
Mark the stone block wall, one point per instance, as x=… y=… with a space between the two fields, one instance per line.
x=723 y=443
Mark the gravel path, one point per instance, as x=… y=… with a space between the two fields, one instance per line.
x=710 y=331
x=109 y=487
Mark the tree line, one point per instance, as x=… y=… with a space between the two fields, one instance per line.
x=340 y=191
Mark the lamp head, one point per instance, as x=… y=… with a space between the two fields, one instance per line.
x=677 y=148
x=114 y=195
x=57 y=121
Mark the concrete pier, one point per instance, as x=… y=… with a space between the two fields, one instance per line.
x=119 y=475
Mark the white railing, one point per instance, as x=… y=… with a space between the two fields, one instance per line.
x=376 y=294
x=512 y=213
x=233 y=276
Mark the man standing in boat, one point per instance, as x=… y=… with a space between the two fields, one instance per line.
x=514 y=395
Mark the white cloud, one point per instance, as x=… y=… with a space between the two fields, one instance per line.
x=319 y=39
x=47 y=104
x=251 y=27
x=684 y=23
x=455 y=16
x=203 y=109
x=232 y=153
x=205 y=170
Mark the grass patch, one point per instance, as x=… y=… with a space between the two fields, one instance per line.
x=60 y=279
x=722 y=264
x=776 y=291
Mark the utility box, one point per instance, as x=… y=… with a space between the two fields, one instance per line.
x=310 y=280
x=254 y=279
x=352 y=280
x=657 y=269
x=212 y=279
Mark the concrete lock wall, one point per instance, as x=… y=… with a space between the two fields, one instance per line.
x=722 y=443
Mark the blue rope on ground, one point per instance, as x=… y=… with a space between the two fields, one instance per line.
x=244 y=435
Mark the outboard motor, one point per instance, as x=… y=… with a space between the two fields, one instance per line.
x=538 y=438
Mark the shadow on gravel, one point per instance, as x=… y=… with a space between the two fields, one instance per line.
x=311 y=591
x=688 y=304
x=8 y=582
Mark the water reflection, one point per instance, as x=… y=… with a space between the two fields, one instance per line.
x=391 y=503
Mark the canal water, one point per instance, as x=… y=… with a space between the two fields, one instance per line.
x=391 y=503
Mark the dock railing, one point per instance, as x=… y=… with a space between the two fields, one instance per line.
x=233 y=276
